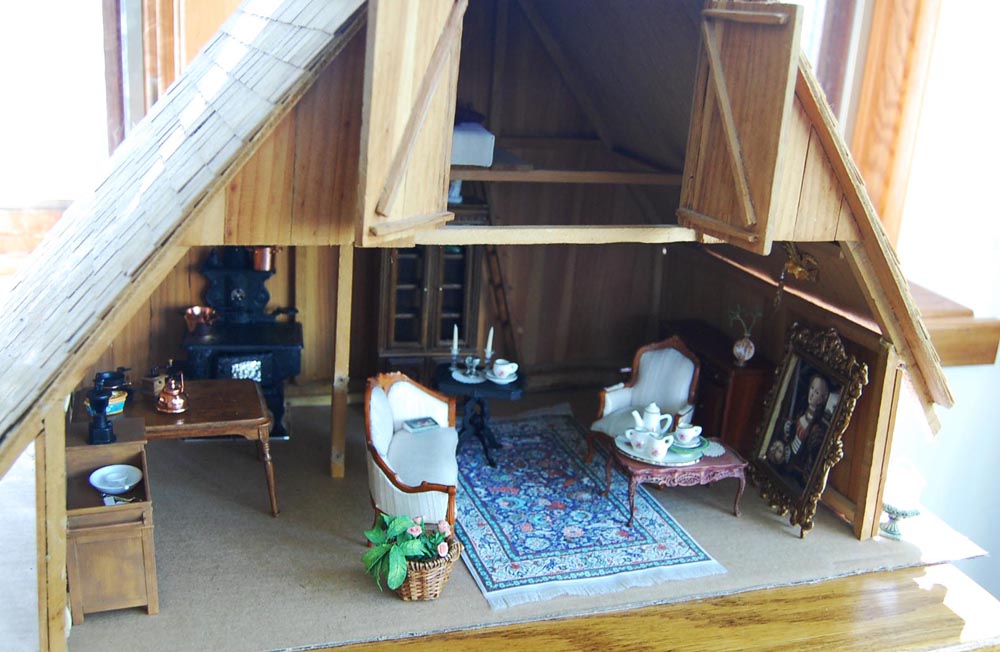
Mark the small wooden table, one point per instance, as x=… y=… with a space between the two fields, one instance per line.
x=706 y=471
x=217 y=408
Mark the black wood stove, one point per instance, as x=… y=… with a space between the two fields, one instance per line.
x=244 y=341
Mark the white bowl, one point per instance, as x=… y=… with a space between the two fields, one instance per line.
x=115 y=479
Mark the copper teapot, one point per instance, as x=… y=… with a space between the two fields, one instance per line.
x=172 y=398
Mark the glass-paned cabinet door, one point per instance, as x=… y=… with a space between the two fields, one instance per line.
x=407 y=294
x=453 y=308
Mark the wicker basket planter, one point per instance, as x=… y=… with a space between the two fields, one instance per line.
x=425 y=579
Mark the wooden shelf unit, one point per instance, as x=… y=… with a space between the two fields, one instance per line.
x=110 y=558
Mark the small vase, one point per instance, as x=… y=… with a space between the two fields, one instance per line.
x=743 y=350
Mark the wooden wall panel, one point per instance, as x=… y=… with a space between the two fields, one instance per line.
x=316 y=298
x=327 y=140
x=259 y=198
x=819 y=202
x=199 y=21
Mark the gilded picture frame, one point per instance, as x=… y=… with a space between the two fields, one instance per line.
x=805 y=415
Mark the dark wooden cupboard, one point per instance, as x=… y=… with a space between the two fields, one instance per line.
x=427 y=291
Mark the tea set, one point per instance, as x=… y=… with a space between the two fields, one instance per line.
x=652 y=440
x=501 y=372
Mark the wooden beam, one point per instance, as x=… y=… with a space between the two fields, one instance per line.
x=724 y=104
x=341 y=361
x=566 y=176
x=435 y=69
x=709 y=223
x=753 y=17
x=50 y=503
x=525 y=235
x=114 y=97
x=410 y=223
x=500 y=28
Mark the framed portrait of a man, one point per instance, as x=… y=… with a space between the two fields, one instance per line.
x=806 y=414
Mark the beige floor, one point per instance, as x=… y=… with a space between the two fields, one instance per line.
x=233 y=578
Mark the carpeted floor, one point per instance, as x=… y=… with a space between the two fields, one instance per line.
x=233 y=578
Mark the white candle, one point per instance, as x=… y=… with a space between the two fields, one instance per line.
x=454 y=338
x=489 y=342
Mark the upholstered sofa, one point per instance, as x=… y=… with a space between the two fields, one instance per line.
x=411 y=473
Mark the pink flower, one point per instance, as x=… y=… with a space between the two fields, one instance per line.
x=442 y=549
x=419 y=520
x=414 y=530
x=444 y=528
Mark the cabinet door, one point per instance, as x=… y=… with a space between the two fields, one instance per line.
x=405 y=289
x=456 y=299
x=411 y=72
x=740 y=118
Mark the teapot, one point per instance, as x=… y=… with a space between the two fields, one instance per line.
x=651 y=419
x=172 y=399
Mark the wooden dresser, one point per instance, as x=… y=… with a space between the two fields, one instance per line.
x=110 y=561
x=730 y=399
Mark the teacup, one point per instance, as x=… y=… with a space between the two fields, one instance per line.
x=503 y=368
x=687 y=433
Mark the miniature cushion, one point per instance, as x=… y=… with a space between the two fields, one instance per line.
x=427 y=455
x=380 y=417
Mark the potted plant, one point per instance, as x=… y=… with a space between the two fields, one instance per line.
x=414 y=560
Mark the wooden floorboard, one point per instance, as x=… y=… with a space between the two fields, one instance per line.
x=926 y=608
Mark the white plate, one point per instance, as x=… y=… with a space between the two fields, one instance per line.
x=468 y=380
x=501 y=381
x=115 y=479
x=670 y=459
x=695 y=443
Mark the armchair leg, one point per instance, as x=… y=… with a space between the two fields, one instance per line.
x=590 y=448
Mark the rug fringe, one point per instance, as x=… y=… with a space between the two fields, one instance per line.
x=506 y=598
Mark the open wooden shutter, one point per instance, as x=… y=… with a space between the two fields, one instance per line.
x=411 y=71
x=742 y=105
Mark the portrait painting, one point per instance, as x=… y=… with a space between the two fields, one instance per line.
x=806 y=413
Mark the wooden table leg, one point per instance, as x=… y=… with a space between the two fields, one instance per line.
x=607 y=476
x=632 y=484
x=264 y=446
x=739 y=493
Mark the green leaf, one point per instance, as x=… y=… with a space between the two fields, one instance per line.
x=397 y=569
x=412 y=548
x=373 y=556
x=398 y=526
x=381 y=570
x=376 y=535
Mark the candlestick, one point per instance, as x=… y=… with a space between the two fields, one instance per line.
x=489 y=344
x=454 y=339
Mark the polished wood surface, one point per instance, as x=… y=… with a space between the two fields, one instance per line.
x=928 y=608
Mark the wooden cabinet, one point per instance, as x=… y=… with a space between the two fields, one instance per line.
x=110 y=560
x=426 y=292
x=730 y=399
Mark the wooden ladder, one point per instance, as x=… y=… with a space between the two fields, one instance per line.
x=498 y=295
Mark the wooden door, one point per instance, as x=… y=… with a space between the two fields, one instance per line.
x=740 y=119
x=411 y=73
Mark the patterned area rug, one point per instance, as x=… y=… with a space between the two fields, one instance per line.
x=536 y=527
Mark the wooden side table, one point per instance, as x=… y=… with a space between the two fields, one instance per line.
x=706 y=471
x=110 y=560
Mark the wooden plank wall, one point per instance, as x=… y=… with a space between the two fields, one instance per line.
x=702 y=287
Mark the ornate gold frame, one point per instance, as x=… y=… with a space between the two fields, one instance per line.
x=819 y=352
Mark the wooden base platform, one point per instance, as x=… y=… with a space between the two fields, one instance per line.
x=926 y=608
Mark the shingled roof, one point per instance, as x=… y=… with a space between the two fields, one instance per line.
x=83 y=277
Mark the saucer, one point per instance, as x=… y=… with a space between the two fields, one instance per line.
x=500 y=381
x=688 y=449
x=99 y=479
x=468 y=380
x=694 y=443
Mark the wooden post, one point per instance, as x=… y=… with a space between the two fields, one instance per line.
x=341 y=360
x=50 y=503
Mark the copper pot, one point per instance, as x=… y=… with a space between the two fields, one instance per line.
x=263 y=258
x=173 y=399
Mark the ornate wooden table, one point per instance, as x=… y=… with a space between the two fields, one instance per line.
x=217 y=408
x=706 y=471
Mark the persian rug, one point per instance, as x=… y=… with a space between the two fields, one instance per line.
x=536 y=526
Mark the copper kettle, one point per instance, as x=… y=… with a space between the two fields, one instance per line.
x=172 y=398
